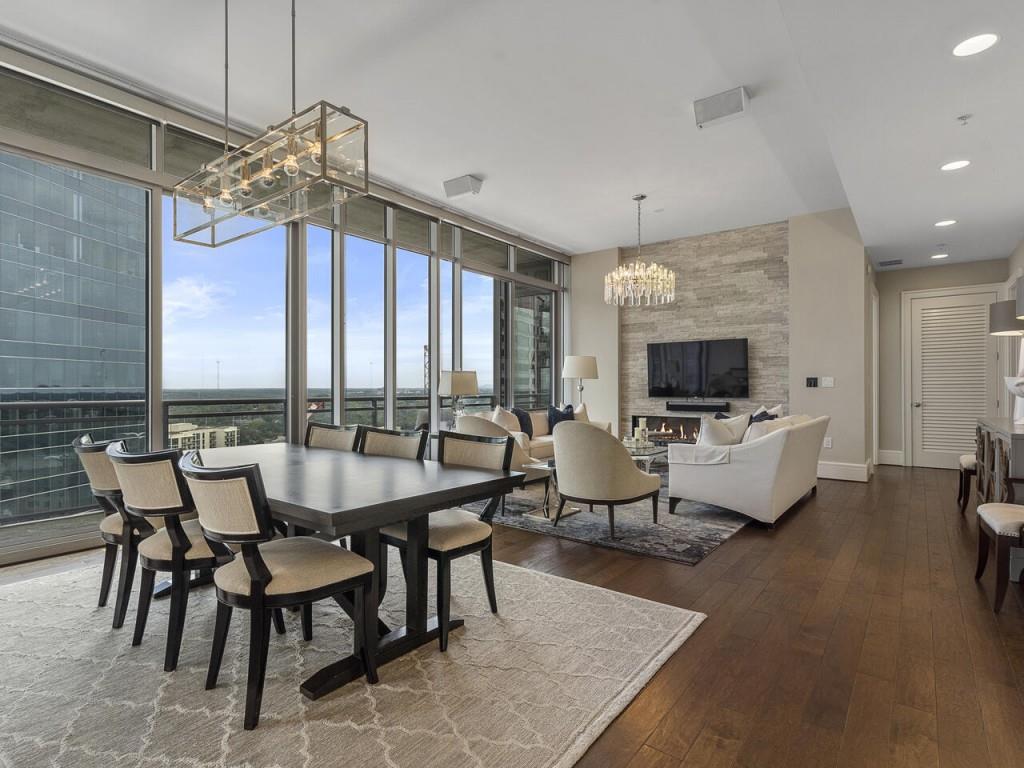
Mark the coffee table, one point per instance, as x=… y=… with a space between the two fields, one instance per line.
x=647 y=456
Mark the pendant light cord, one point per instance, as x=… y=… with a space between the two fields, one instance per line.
x=639 y=199
x=226 y=143
x=293 y=58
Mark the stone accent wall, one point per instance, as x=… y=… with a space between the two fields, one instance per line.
x=731 y=284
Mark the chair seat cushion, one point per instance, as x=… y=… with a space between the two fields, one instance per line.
x=1004 y=519
x=298 y=564
x=158 y=546
x=112 y=524
x=969 y=461
x=449 y=529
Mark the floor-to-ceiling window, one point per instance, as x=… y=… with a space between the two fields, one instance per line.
x=364 y=331
x=73 y=249
x=532 y=346
x=223 y=340
x=482 y=335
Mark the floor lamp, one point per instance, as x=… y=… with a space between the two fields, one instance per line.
x=579 y=367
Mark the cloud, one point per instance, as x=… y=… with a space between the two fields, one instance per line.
x=193 y=298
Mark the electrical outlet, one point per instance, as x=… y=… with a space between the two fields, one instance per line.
x=828 y=442
x=828 y=381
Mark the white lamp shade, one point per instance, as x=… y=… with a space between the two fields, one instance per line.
x=458 y=383
x=1002 y=319
x=579 y=367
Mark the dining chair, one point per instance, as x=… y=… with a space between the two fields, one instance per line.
x=340 y=438
x=1001 y=524
x=153 y=487
x=272 y=573
x=107 y=492
x=454 y=533
x=968 y=469
x=398 y=443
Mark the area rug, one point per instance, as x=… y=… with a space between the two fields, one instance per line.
x=688 y=536
x=533 y=686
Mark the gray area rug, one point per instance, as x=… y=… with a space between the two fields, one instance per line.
x=688 y=536
x=533 y=686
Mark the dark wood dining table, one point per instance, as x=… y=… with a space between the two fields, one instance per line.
x=338 y=493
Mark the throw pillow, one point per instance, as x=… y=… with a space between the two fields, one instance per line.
x=716 y=432
x=556 y=416
x=762 y=416
x=505 y=419
x=580 y=414
x=762 y=428
x=737 y=425
x=525 y=422
x=539 y=422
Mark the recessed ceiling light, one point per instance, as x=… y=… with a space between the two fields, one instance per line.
x=945 y=223
x=956 y=165
x=976 y=44
x=940 y=256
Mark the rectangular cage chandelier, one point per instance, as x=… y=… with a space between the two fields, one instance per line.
x=312 y=161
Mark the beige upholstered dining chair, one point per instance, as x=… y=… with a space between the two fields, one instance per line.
x=107 y=491
x=478 y=425
x=153 y=487
x=1000 y=524
x=454 y=533
x=272 y=573
x=397 y=443
x=340 y=438
x=593 y=467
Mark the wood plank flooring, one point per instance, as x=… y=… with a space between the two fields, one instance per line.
x=853 y=634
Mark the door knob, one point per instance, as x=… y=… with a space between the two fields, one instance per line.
x=916 y=404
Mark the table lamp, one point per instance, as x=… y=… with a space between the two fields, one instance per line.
x=1004 y=320
x=456 y=384
x=579 y=367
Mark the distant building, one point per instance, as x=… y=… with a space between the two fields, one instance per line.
x=189 y=437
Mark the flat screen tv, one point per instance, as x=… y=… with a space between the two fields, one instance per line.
x=715 y=368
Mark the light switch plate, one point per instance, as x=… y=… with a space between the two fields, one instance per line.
x=828 y=442
x=827 y=381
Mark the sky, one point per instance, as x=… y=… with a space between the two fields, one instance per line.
x=228 y=304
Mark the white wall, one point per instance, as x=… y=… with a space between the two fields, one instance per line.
x=829 y=335
x=594 y=330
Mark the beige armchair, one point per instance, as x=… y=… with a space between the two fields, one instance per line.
x=595 y=468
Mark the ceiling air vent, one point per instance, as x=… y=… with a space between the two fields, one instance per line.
x=890 y=263
x=721 y=106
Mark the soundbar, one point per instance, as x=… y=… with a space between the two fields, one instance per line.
x=697 y=406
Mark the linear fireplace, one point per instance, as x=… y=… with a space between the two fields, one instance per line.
x=670 y=429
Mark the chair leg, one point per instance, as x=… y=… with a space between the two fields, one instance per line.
x=561 y=506
x=654 y=507
x=382 y=572
x=109 y=558
x=176 y=621
x=278 y=616
x=366 y=635
x=307 y=621
x=673 y=502
x=405 y=563
x=129 y=556
x=960 y=487
x=259 y=644
x=611 y=521
x=487 y=563
x=444 y=596
x=220 y=638
x=145 y=597
x=966 y=495
x=983 y=547
x=1002 y=570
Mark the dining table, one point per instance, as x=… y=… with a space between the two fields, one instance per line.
x=334 y=494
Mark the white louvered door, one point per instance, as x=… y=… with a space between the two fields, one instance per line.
x=953 y=364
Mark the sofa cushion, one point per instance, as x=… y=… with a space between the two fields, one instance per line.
x=556 y=416
x=720 y=431
x=539 y=422
x=542 y=447
x=505 y=419
x=762 y=428
x=525 y=422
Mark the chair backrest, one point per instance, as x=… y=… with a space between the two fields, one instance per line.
x=97 y=465
x=475 y=450
x=151 y=483
x=231 y=501
x=593 y=464
x=478 y=425
x=338 y=438
x=401 y=444
x=986 y=468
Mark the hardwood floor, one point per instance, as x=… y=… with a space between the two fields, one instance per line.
x=853 y=634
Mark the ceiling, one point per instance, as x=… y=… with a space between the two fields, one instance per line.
x=567 y=109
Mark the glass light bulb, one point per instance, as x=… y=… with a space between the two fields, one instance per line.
x=263 y=210
x=315 y=153
x=244 y=190
x=225 y=197
x=208 y=204
x=266 y=179
x=291 y=165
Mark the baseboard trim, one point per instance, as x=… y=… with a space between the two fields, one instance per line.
x=890 y=457
x=839 y=470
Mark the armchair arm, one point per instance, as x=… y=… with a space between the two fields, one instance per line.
x=522 y=439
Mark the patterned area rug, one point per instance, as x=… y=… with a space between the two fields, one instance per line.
x=688 y=536
x=532 y=686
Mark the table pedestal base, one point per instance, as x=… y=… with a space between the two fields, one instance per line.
x=395 y=643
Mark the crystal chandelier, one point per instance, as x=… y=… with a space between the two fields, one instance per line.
x=639 y=283
x=315 y=159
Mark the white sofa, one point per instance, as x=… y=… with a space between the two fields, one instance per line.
x=761 y=479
